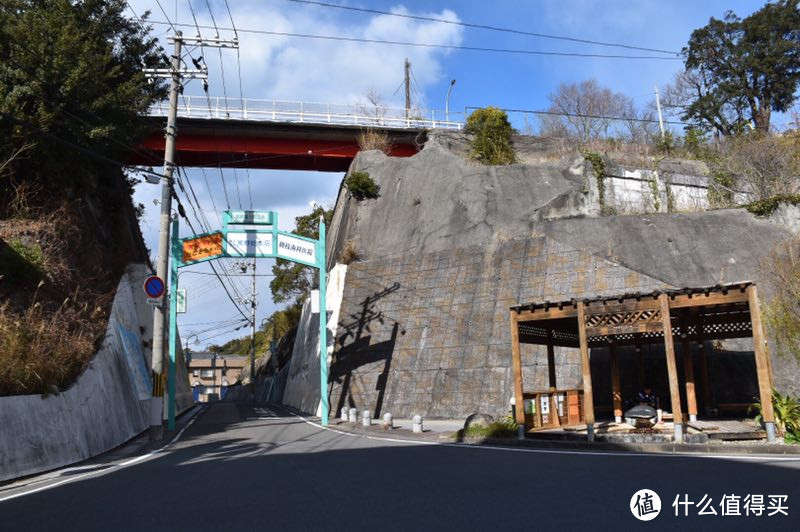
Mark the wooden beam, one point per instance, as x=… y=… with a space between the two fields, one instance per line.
x=734 y=295
x=516 y=364
x=550 y=314
x=762 y=356
x=616 y=391
x=609 y=330
x=672 y=368
x=588 y=401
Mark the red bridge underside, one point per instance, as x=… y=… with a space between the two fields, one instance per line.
x=213 y=143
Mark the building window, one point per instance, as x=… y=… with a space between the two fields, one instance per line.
x=207 y=373
x=196 y=373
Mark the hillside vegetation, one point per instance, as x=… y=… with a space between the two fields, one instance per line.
x=71 y=99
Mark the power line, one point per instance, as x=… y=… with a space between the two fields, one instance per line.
x=165 y=16
x=581 y=115
x=484 y=27
x=439 y=46
x=227 y=292
x=86 y=151
x=224 y=187
x=248 y=275
x=211 y=195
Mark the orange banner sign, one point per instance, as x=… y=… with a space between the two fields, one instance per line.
x=202 y=247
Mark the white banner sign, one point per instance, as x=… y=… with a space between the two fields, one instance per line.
x=248 y=244
x=181 y=300
x=250 y=217
x=292 y=247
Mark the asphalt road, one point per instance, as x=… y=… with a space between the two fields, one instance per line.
x=243 y=468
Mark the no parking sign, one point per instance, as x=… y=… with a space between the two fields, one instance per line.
x=154 y=289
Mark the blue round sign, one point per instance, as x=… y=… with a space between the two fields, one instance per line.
x=154 y=286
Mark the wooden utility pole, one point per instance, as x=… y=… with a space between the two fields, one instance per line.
x=176 y=75
x=408 y=89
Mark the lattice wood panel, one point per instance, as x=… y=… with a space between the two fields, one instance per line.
x=617 y=319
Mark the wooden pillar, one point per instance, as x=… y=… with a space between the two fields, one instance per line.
x=616 y=391
x=701 y=346
x=588 y=400
x=551 y=360
x=516 y=364
x=762 y=363
x=688 y=370
x=551 y=377
x=640 y=365
x=706 y=386
x=672 y=368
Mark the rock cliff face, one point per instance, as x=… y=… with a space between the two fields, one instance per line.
x=449 y=246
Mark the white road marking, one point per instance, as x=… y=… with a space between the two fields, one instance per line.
x=105 y=470
x=151 y=454
x=734 y=457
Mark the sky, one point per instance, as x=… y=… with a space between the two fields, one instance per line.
x=340 y=72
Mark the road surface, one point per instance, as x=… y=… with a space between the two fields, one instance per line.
x=250 y=468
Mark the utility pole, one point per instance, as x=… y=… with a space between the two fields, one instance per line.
x=176 y=74
x=660 y=118
x=408 y=90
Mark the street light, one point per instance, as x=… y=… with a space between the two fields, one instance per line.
x=447 y=102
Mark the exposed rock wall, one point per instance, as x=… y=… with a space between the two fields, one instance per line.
x=429 y=334
x=449 y=246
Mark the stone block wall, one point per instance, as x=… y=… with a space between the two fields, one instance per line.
x=429 y=334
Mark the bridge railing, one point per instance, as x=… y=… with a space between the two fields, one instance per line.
x=285 y=111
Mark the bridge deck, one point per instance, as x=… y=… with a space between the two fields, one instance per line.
x=267 y=145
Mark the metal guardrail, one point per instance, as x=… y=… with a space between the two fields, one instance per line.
x=283 y=111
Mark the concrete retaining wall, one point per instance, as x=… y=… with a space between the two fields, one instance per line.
x=108 y=405
x=449 y=246
x=302 y=379
x=429 y=334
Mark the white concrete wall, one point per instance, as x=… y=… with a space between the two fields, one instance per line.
x=108 y=405
x=302 y=383
x=632 y=191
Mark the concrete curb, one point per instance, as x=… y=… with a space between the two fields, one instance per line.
x=653 y=448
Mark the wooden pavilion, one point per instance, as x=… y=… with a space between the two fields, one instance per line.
x=690 y=314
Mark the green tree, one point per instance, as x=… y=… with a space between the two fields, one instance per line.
x=293 y=281
x=741 y=70
x=73 y=70
x=491 y=130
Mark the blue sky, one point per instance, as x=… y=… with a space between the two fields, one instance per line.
x=288 y=68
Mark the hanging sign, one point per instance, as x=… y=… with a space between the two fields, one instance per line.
x=294 y=248
x=181 y=300
x=202 y=247
x=248 y=244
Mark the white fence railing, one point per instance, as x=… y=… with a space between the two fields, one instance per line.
x=366 y=115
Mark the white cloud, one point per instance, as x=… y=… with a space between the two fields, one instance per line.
x=285 y=68
x=293 y=68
